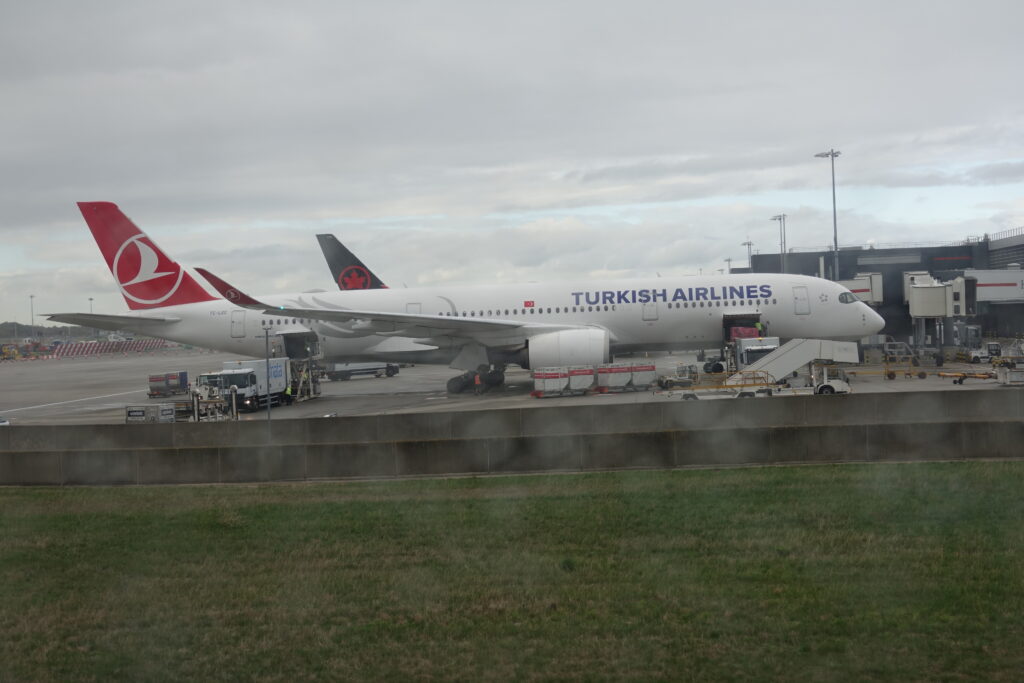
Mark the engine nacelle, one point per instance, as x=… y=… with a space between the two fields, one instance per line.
x=568 y=347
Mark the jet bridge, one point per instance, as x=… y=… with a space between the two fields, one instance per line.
x=795 y=354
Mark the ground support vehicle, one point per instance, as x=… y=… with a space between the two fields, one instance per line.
x=685 y=376
x=959 y=377
x=168 y=384
x=745 y=384
x=829 y=379
x=253 y=385
x=346 y=371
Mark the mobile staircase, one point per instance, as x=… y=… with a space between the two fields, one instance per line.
x=795 y=354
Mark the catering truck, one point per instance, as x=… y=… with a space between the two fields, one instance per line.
x=249 y=377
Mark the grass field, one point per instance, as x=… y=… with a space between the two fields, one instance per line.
x=911 y=571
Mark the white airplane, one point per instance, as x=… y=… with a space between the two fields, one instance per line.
x=476 y=329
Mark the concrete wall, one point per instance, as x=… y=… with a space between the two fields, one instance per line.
x=864 y=427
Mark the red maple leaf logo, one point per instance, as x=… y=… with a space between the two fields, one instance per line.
x=354 y=277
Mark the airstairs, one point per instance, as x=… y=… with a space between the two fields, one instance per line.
x=795 y=354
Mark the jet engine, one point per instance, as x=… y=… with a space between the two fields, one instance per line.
x=568 y=347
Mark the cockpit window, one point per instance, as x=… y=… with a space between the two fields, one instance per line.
x=847 y=298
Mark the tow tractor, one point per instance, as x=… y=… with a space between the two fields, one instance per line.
x=685 y=376
x=829 y=379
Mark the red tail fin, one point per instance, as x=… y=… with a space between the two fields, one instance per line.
x=148 y=278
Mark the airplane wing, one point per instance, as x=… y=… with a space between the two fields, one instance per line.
x=109 y=322
x=386 y=323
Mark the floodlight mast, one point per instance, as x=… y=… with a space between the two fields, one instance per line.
x=831 y=155
x=781 y=218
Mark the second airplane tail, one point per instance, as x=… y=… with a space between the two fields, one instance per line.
x=346 y=268
x=147 y=277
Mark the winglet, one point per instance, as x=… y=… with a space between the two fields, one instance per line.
x=231 y=293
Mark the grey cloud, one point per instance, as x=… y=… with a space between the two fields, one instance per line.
x=462 y=119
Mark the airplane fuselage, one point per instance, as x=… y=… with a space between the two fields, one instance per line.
x=646 y=314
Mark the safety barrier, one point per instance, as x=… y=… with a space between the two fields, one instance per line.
x=95 y=348
x=868 y=428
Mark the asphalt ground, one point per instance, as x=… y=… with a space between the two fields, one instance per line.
x=96 y=390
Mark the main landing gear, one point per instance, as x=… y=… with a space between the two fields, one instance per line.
x=489 y=379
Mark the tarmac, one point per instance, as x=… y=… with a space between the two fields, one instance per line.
x=97 y=389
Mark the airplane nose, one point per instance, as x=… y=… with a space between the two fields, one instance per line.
x=875 y=322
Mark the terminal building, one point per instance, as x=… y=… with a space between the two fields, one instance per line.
x=921 y=288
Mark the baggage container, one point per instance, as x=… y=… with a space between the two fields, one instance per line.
x=643 y=376
x=613 y=376
x=581 y=378
x=550 y=382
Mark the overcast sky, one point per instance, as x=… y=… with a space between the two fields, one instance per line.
x=478 y=142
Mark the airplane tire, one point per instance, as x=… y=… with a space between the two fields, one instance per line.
x=717 y=367
x=456 y=385
x=494 y=378
x=391 y=371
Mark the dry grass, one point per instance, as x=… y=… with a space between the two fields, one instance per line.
x=889 y=571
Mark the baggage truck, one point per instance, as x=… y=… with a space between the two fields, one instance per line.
x=168 y=384
x=249 y=377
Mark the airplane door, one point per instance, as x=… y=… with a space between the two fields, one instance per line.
x=801 y=302
x=237 y=324
x=412 y=308
x=650 y=311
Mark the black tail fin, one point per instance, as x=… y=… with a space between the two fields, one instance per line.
x=348 y=271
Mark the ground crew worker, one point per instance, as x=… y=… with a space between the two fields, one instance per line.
x=477 y=384
x=288 y=395
x=760 y=329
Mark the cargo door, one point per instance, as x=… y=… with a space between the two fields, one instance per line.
x=801 y=302
x=237 y=324
x=650 y=311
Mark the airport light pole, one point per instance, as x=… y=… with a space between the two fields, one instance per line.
x=266 y=336
x=32 y=312
x=781 y=218
x=749 y=245
x=832 y=154
x=90 y=313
